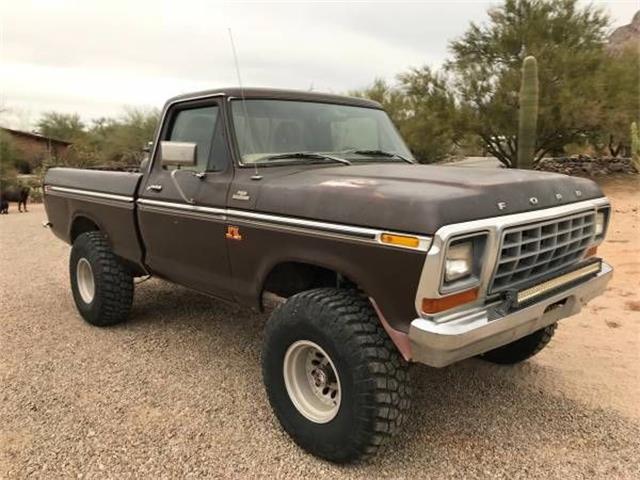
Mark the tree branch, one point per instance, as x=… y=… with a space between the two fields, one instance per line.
x=494 y=148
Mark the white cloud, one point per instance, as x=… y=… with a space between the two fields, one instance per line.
x=93 y=57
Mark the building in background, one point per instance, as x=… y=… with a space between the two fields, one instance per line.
x=35 y=149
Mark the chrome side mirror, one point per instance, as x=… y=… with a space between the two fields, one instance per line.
x=179 y=154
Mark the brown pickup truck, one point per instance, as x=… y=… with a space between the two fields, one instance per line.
x=314 y=201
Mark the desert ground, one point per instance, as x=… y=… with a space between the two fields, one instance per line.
x=176 y=392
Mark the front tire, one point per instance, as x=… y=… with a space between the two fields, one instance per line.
x=334 y=379
x=522 y=349
x=102 y=286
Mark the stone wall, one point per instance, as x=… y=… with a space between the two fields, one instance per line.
x=586 y=166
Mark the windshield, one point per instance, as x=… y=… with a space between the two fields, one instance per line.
x=277 y=127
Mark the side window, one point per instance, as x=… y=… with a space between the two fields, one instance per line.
x=196 y=125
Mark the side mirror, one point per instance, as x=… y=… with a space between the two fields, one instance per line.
x=181 y=154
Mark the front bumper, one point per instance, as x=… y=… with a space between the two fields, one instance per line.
x=483 y=328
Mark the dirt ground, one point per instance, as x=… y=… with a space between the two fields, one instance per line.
x=176 y=392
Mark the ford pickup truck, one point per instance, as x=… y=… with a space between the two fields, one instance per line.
x=313 y=202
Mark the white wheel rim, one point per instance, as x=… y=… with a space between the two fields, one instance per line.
x=312 y=381
x=84 y=278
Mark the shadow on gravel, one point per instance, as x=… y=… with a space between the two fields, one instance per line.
x=469 y=412
x=156 y=299
x=478 y=409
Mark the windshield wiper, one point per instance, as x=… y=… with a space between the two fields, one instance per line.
x=381 y=153
x=302 y=155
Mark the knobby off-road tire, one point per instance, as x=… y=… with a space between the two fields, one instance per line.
x=102 y=286
x=372 y=377
x=521 y=349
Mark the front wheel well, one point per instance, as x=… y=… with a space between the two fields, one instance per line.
x=288 y=278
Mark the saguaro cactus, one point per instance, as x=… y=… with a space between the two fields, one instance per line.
x=528 y=115
x=635 y=146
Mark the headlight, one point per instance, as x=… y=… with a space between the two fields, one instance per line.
x=601 y=222
x=459 y=261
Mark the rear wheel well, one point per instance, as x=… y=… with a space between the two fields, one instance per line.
x=288 y=278
x=82 y=225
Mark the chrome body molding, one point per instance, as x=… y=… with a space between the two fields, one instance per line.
x=478 y=330
x=86 y=193
x=336 y=230
x=291 y=223
x=430 y=284
x=221 y=212
x=302 y=223
x=254 y=218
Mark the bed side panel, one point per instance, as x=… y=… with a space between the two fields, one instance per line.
x=104 y=197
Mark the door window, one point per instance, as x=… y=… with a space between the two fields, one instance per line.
x=196 y=125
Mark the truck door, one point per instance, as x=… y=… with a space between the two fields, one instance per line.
x=185 y=240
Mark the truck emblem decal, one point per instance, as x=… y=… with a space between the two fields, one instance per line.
x=241 y=195
x=533 y=200
x=558 y=196
x=233 y=233
x=502 y=205
x=578 y=193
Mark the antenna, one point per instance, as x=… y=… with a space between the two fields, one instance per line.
x=256 y=175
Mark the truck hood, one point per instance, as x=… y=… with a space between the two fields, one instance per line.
x=414 y=198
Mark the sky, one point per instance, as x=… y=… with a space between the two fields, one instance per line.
x=95 y=57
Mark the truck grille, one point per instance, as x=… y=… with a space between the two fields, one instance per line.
x=529 y=252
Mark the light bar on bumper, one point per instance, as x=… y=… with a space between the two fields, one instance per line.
x=529 y=294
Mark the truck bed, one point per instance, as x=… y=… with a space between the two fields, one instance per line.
x=78 y=200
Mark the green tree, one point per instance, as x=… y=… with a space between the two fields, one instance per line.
x=108 y=142
x=424 y=110
x=391 y=98
x=618 y=82
x=431 y=123
x=63 y=126
x=10 y=158
x=123 y=140
x=567 y=40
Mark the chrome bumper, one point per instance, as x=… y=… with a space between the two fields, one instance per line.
x=482 y=329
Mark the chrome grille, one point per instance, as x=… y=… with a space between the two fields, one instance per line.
x=529 y=252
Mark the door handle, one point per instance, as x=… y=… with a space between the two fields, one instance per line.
x=155 y=188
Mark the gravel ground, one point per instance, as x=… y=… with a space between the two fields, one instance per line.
x=176 y=392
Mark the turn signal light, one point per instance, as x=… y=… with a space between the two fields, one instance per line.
x=401 y=240
x=592 y=251
x=435 y=305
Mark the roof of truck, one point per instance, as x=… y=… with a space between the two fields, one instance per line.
x=273 y=93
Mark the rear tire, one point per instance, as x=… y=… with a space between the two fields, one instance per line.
x=102 y=286
x=522 y=349
x=351 y=361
